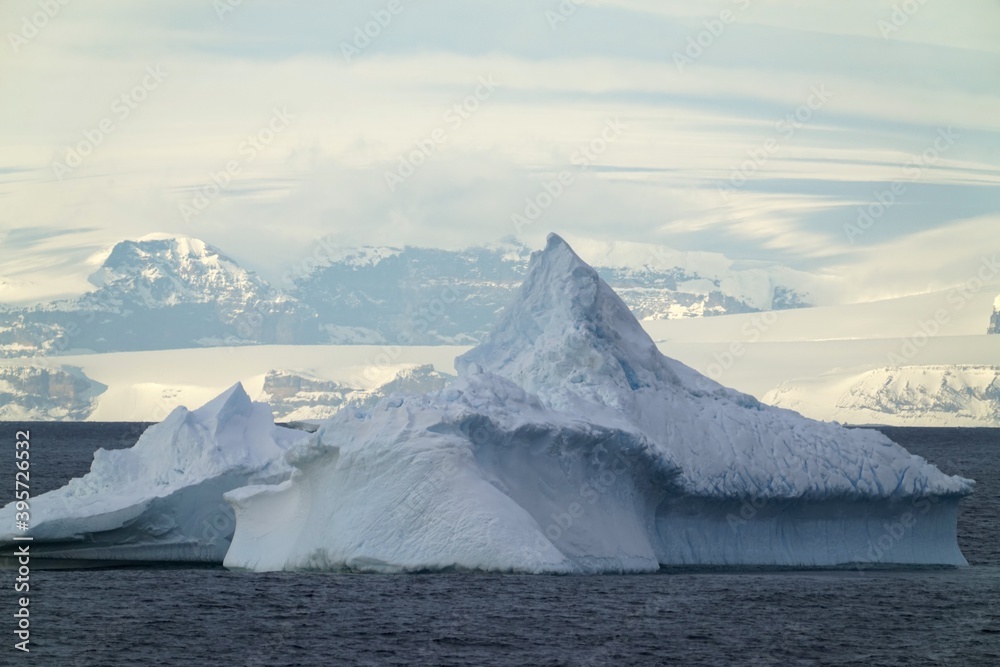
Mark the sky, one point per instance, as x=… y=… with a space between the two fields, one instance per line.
x=855 y=138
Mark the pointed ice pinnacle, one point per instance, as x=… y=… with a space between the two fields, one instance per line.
x=233 y=401
x=570 y=340
x=567 y=326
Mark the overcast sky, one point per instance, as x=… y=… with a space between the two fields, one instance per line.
x=756 y=128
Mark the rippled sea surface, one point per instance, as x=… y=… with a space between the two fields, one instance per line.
x=208 y=616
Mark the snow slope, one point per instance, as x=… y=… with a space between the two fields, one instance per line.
x=812 y=356
x=146 y=386
x=952 y=396
x=757 y=368
x=161 y=500
x=570 y=444
x=570 y=340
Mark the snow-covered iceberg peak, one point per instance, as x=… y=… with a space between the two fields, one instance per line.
x=230 y=433
x=568 y=330
x=568 y=338
x=161 y=499
x=242 y=431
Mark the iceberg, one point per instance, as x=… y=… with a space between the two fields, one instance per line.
x=570 y=443
x=162 y=499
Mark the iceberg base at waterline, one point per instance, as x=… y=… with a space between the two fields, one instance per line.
x=860 y=533
x=482 y=476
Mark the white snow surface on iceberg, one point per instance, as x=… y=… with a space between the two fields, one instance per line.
x=570 y=444
x=477 y=476
x=162 y=499
x=569 y=339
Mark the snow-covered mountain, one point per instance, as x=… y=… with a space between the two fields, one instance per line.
x=413 y=296
x=169 y=271
x=427 y=296
x=658 y=282
x=176 y=292
x=160 y=293
x=901 y=396
x=995 y=320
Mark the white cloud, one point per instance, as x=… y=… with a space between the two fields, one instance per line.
x=945 y=257
x=687 y=131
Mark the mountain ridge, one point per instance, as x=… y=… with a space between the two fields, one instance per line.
x=170 y=292
x=917 y=395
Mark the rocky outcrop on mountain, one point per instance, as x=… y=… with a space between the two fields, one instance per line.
x=297 y=395
x=47 y=393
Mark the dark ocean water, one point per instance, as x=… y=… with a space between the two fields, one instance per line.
x=208 y=616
